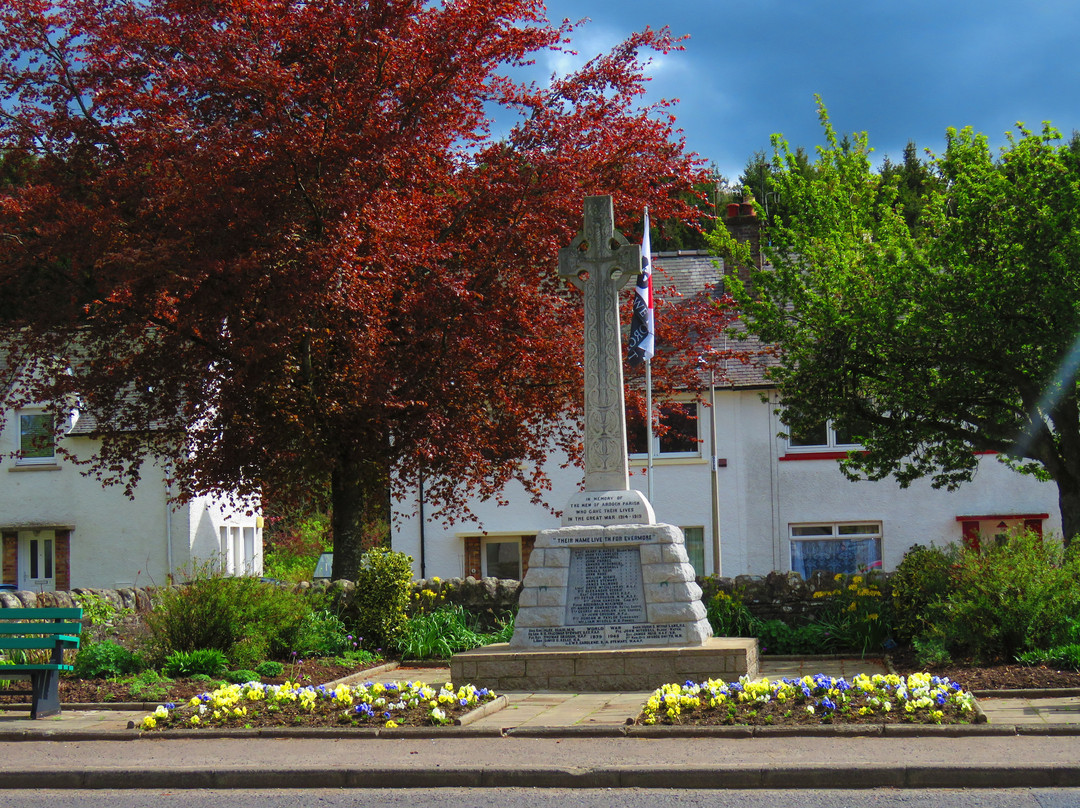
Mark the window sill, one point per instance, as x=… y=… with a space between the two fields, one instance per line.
x=660 y=460
x=34 y=467
x=825 y=455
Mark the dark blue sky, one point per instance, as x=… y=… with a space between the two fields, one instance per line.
x=899 y=71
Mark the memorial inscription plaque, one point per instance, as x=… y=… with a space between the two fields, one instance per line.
x=605 y=587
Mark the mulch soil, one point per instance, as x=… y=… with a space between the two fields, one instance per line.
x=1001 y=676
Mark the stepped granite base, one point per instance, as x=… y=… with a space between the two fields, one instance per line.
x=504 y=669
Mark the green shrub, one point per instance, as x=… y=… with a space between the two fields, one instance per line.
x=244 y=618
x=100 y=614
x=1016 y=596
x=321 y=634
x=931 y=650
x=777 y=637
x=381 y=600
x=270 y=669
x=240 y=676
x=205 y=661
x=105 y=659
x=729 y=616
x=922 y=579
x=442 y=633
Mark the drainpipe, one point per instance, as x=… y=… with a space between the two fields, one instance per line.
x=423 y=541
x=715 y=479
x=168 y=533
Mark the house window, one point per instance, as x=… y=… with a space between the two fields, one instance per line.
x=502 y=559
x=977 y=530
x=837 y=547
x=679 y=428
x=824 y=437
x=694 y=539
x=37 y=442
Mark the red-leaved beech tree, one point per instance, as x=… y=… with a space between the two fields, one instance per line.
x=278 y=243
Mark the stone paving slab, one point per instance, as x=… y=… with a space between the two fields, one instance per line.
x=1045 y=711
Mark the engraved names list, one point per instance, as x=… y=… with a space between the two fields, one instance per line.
x=605 y=587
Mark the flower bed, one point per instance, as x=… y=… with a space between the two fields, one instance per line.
x=918 y=698
x=366 y=705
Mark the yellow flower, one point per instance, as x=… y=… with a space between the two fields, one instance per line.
x=194 y=720
x=149 y=722
x=161 y=712
x=391 y=724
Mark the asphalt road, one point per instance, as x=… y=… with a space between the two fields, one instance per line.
x=548 y=798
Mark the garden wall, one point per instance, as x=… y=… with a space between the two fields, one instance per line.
x=778 y=595
x=138 y=598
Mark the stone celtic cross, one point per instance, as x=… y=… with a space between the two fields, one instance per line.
x=600 y=261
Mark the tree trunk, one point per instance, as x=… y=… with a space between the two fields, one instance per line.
x=358 y=489
x=1069 y=502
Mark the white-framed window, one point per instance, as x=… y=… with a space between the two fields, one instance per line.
x=835 y=547
x=501 y=558
x=37 y=438
x=680 y=433
x=823 y=437
x=694 y=540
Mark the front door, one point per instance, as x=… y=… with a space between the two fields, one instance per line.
x=37 y=560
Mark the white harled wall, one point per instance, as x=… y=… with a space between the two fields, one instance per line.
x=759 y=496
x=115 y=541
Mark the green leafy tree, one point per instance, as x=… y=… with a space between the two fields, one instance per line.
x=936 y=339
x=758 y=181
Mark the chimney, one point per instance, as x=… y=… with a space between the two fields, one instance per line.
x=742 y=221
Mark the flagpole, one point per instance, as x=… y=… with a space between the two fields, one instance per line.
x=643 y=342
x=649 y=420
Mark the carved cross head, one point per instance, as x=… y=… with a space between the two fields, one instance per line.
x=599 y=251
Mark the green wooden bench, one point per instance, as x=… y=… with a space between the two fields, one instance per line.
x=39 y=629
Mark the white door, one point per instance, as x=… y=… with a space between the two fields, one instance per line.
x=37 y=560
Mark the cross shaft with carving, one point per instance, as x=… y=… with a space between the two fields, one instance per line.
x=600 y=261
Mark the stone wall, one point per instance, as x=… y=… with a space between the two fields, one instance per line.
x=139 y=598
x=779 y=595
x=490 y=599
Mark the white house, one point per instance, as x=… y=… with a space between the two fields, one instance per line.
x=63 y=530
x=749 y=502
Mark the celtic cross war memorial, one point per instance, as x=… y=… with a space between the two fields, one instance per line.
x=610 y=600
